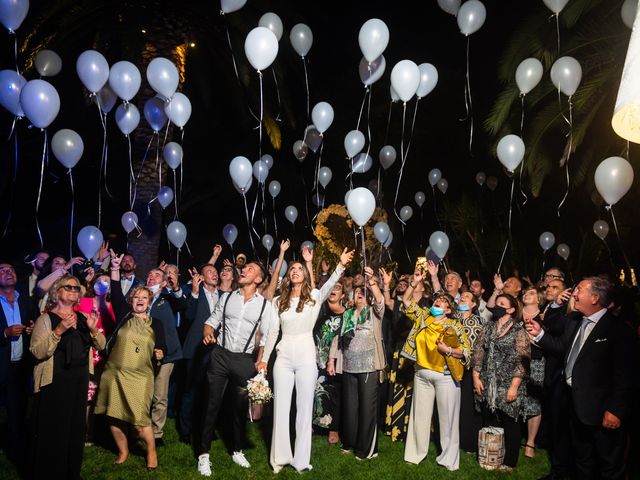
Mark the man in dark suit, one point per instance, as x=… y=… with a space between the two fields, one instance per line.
x=128 y=279
x=16 y=324
x=597 y=352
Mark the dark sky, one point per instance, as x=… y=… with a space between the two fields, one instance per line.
x=220 y=127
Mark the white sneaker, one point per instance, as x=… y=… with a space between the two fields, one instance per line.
x=204 y=465
x=240 y=459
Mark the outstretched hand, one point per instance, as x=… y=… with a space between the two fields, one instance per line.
x=307 y=254
x=284 y=245
x=115 y=260
x=346 y=257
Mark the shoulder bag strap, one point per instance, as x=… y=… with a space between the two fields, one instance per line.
x=255 y=327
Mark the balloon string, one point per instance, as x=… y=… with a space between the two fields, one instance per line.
x=158 y=164
x=413 y=125
x=233 y=57
x=386 y=131
x=175 y=190
x=317 y=183
x=470 y=103
x=275 y=222
x=262 y=209
x=275 y=80
x=404 y=241
x=364 y=100
x=557 y=15
x=615 y=226
x=181 y=176
x=246 y=211
x=44 y=159
x=306 y=83
x=144 y=157
x=378 y=194
x=261 y=117
x=131 y=174
x=504 y=251
x=253 y=214
x=306 y=201
x=526 y=199
x=15 y=50
x=628 y=152
x=14 y=133
x=72 y=214
x=403 y=158
x=369 y=120
x=435 y=208
x=101 y=169
x=364 y=258
x=566 y=164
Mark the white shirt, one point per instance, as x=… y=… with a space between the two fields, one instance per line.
x=126 y=283
x=484 y=311
x=298 y=323
x=594 y=319
x=33 y=280
x=12 y=314
x=212 y=297
x=240 y=320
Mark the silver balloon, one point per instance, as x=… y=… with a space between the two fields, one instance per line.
x=312 y=138
x=67 y=146
x=300 y=150
x=443 y=185
x=362 y=163
x=546 y=240
x=406 y=213
x=154 y=113
x=371 y=72
x=387 y=156
x=260 y=171
x=492 y=182
x=301 y=39
x=127 y=118
x=273 y=22
x=283 y=269
x=317 y=198
x=48 y=63
x=439 y=243
x=601 y=229
x=353 y=143
x=89 y=240
x=230 y=233
x=11 y=83
x=268 y=160
x=274 y=188
x=381 y=231
x=172 y=154
x=563 y=250
x=129 y=221
x=434 y=176
x=324 y=176
x=165 y=196
x=177 y=233
x=267 y=242
x=291 y=213
x=420 y=197
x=481 y=177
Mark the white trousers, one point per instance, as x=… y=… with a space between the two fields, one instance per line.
x=291 y=368
x=428 y=386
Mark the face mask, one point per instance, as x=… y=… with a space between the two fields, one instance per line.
x=154 y=288
x=436 y=311
x=462 y=307
x=498 y=312
x=101 y=288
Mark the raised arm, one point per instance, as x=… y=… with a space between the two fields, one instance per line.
x=272 y=336
x=345 y=258
x=307 y=255
x=498 y=285
x=386 y=288
x=270 y=291
x=118 y=302
x=407 y=298
x=217 y=249
x=432 y=268
x=373 y=285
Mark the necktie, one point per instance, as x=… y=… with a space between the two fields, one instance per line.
x=577 y=345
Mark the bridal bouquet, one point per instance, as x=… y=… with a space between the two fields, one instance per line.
x=259 y=394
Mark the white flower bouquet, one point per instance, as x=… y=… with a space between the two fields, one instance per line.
x=259 y=394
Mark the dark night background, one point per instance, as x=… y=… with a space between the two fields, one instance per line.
x=221 y=128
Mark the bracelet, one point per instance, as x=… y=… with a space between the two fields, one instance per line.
x=412 y=285
x=449 y=352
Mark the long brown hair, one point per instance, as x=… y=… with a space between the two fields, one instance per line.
x=284 y=301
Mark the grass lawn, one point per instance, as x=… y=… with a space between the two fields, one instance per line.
x=176 y=462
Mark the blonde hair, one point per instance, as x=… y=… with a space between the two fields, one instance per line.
x=52 y=294
x=135 y=290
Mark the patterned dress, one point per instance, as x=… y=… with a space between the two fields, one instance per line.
x=126 y=386
x=326 y=404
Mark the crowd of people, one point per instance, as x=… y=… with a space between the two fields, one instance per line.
x=423 y=356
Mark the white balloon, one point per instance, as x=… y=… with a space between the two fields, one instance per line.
x=362 y=163
x=242 y=189
x=165 y=196
x=154 y=113
x=405 y=78
x=381 y=231
x=178 y=109
x=283 y=269
x=312 y=139
x=389 y=241
x=273 y=22
x=301 y=39
x=127 y=118
x=434 y=176
x=240 y=170
x=40 y=102
x=601 y=229
x=129 y=221
x=260 y=171
x=613 y=178
x=510 y=151
x=546 y=240
x=406 y=213
x=373 y=38
x=67 y=146
x=274 y=188
x=291 y=213
x=354 y=143
x=172 y=154
x=106 y=98
x=628 y=12
x=528 y=74
x=48 y=63
x=13 y=13
x=11 y=83
x=481 y=177
x=346 y=196
x=93 y=70
x=230 y=233
x=371 y=72
x=267 y=242
x=563 y=250
x=556 y=6
x=261 y=48
x=268 y=160
x=361 y=204
x=125 y=79
x=387 y=156
x=89 y=240
x=228 y=6
x=492 y=182
x=443 y=185
x=324 y=176
x=450 y=6
x=566 y=74
x=394 y=95
x=471 y=17
x=163 y=76
x=439 y=243
x=420 y=197
x=177 y=234
x=322 y=116
x=428 y=79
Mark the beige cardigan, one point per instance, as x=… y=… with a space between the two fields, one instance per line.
x=43 y=345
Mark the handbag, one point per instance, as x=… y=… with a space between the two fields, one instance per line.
x=450 y=338
x=490 y=447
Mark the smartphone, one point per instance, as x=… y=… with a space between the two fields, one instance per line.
x=421 y=264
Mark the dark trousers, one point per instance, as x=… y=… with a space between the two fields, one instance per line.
x=192 y=372
x=598 y=452
x=556 y=415
x=512 y=430
x=226 y=367
x=360 y=410
x=14 y=394
x=470 y=418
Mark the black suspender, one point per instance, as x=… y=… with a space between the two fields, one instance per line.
x=255 y=327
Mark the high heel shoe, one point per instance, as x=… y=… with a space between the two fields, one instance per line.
x=531 y=447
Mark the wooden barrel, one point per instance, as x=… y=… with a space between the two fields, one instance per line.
x=490 y=447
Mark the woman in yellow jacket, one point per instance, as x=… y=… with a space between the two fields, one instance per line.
x=440 y=349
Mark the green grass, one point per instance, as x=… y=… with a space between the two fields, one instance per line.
x=176 y=462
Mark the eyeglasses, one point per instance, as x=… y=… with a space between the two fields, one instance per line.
x=72 y=288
